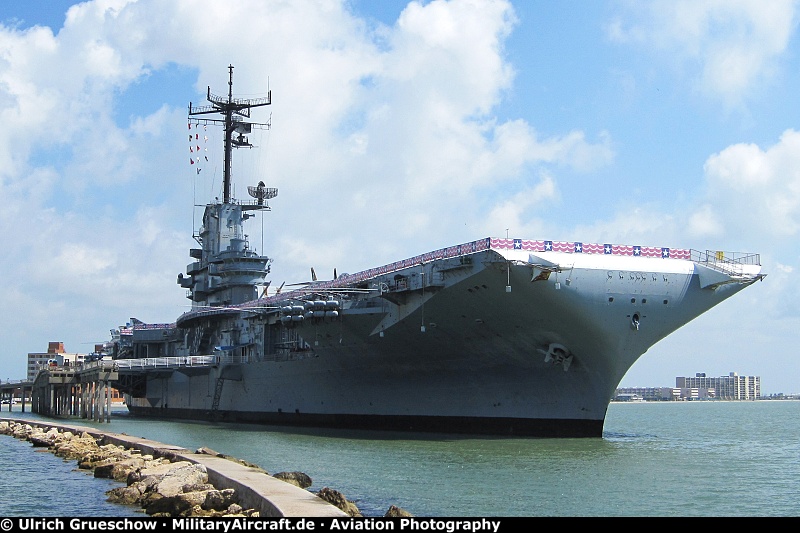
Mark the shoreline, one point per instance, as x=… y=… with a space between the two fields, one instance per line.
x=155 y=473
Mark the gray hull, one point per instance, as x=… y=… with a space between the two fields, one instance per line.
x=500 y=341
x=495 y=336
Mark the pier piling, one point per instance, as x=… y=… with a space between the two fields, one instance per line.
x=84 y=391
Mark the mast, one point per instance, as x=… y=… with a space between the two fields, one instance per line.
x=227 y=271
x=231 y=109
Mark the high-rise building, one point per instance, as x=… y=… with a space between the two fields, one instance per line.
x=700 y=387
x=730 y=387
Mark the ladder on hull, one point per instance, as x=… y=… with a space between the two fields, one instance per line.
x=217 y=395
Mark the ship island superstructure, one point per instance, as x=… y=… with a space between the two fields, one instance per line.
x=497 y=336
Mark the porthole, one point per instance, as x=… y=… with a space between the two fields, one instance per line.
x=633 y=300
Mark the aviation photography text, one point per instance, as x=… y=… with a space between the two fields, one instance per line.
x=229 y=524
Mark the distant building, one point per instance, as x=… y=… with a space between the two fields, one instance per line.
x=648 y=394
x=700 y=387
x=55 y=350
x=730 y=387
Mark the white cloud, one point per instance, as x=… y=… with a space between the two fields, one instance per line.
x=728 y=46
x=704 y=222
x=759 y=189
x=635 y=223
x=383 y=144
x=515 y=212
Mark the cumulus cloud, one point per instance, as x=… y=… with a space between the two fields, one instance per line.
x=385 y=142
x=515 y=212
x=759 y=188
x=378 y=134
x=727 y=48
x=704 y=222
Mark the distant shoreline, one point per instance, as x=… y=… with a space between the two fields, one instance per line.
x=792 y=398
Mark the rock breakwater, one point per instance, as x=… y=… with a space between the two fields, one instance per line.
x=169 y=481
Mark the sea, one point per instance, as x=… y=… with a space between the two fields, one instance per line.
x=655 y=459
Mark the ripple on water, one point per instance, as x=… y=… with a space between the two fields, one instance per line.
x=35 y=482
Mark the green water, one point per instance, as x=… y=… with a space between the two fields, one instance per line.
x=655 y=459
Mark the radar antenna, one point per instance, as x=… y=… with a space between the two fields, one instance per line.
x=232 y=109
x=260 y=192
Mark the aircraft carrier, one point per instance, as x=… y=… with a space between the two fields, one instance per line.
x=498 y=336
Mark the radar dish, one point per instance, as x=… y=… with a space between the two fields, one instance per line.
x=261 y=193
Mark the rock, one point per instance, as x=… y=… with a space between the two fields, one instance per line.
x=78 y=447
x=21 y=431
x=122 y=469
x=124 y=495
x=195 y=498
x=156 y=470
x=168 y=506
x=197 y=511
x=134 y=476
x=164 y=486
x=39 y=440
x=247 y=464
x=219 y=500
x=118 y=470
x=198 y=487
x=208 y=451
x=295 y=478
x=149 y=497
x=337 y=498
x=104 y=471
x=182 y=473
x=149 y=467
x=395 y=512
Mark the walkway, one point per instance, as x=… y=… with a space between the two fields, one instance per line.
x=255 y=490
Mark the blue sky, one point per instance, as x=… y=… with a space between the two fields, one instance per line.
x=399 y=128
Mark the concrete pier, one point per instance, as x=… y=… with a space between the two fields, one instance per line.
x=79 y=392
x=85 y=391
x=10 y=390
x=271 y=497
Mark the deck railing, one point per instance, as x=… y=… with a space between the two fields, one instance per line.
x=727 y=262
x=167 y=363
